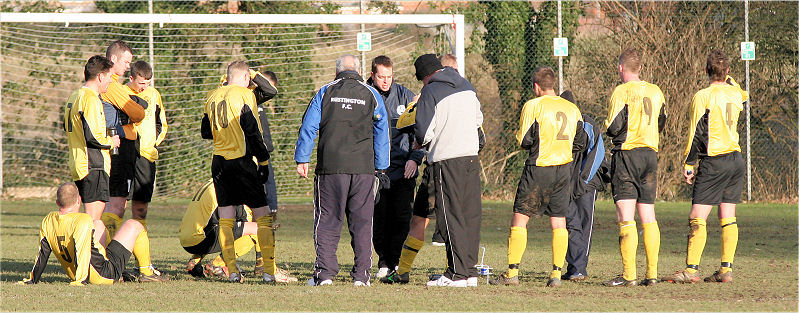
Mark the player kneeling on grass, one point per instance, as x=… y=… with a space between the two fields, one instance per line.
x=714 y=167
x=199 y=232
x=75 y=239
x=551 y=129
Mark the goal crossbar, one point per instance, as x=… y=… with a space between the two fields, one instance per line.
x=456 y=20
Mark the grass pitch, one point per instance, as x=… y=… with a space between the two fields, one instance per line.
x=765 y=269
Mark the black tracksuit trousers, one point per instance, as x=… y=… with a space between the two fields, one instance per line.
x=457 y=189
x=392 y=221
x=336 y=197
x=579 y=224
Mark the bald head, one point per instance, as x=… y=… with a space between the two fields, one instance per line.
x=67 y=195
x=348 y=62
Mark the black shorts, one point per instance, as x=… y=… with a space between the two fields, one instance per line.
x=211 y=243
x=719 y=179
x=144 y=180
x=423 y=201
x=112 y=265
x=123 y=168
x=634 y=175
x=544 y=190
x=236 y=182
x=93 y=187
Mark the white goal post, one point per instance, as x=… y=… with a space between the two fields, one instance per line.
x=11 y=67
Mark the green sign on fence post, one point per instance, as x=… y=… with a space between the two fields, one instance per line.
x=748 y=51
x=560 y=47
x=364 y=41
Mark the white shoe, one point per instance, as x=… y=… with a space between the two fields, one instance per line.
x=281 y=276
x=312 y=282
x=438 y=244
x=443 y=281
x=382 y=272
x=235 y=278
x=472 y=282
x=359 y=283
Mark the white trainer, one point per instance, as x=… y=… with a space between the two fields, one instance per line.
x=443 y=281
x=382 y=272
x=359 y=283
x=472 y=282
x=312 y=282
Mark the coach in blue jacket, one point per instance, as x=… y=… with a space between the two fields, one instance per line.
x=353 y=144
x=393 y=209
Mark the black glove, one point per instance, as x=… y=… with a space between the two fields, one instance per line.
x=139 y=101
x=383 y=181
x=123 y=117
x=263 y=173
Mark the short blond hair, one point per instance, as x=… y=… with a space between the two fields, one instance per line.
x=67 y=195
x=238 y=68
x=449 y=60
x=631 y=60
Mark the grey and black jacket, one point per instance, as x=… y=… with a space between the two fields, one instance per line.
x=448 y=117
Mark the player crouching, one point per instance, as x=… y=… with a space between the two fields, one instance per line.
x=199 y=233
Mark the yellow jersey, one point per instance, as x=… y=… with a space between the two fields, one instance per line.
x=548 y=126
x=153 y=128
x=714 y=120
x=120 y=97
x=87 y=137
x=230 y=112
x=635 y=115
x=71 y=237
x=200 y=214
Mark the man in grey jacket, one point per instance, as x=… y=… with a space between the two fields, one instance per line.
x=448 y=124
x=393 y=209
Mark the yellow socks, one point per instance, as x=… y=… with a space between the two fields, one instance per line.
x=628 y=242
x=652 y=243
x=266 y=241
x=560 y=242
x=696 y=244
x=517 y=241
x=226 y=244
x=141 y=250
x=730 y=238
x=410 y=249
x=113 y=222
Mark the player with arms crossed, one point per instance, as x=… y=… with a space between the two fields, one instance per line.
x=74 y=238
x=714 y=167
x=635 y=117
x=551 y=129
x=230 y=120
x=87 y=137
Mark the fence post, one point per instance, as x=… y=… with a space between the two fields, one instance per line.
x=150 y=41
x=560 y=59
x=747 y=86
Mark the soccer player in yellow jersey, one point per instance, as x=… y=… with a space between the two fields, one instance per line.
x=635 y=117
x=87 y=136
x=123 y=109
x=230 y=120
x=551 y=129
x=714 y=167
x=199 y=231
x=74 y=238
x=151 y=132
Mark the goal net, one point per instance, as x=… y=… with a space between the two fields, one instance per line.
x=42 y=63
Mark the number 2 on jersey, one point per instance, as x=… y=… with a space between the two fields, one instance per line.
x=562 y=119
